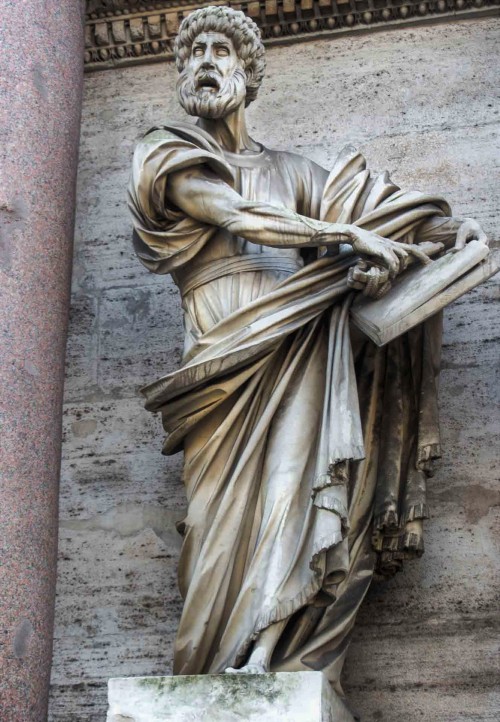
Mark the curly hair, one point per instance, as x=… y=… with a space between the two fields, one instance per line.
x=235 y=25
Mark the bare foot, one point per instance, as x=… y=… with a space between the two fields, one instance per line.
x=250 y=668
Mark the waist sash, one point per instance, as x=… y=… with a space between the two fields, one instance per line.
x=196 y=277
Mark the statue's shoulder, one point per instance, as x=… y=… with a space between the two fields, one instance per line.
x=177 y=145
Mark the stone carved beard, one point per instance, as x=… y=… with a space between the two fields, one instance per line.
x=208 y=95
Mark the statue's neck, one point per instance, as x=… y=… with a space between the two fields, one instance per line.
x=231 y=132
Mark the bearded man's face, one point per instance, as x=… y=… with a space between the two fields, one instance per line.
x=213 y=82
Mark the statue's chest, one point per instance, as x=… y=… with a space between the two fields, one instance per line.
x=266 y=184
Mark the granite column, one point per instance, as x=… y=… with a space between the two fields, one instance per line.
x=40 y=104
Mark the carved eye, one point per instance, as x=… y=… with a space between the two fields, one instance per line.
x=222 y=52
x=198 y=52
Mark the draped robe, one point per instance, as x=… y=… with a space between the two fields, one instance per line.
x=306 y=447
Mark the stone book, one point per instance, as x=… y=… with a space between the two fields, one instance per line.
x=422 y=291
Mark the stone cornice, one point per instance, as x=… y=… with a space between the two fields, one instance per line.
x=131 y=32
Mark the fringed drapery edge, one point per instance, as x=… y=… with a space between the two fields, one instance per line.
x=426 y=456
x=416 y=511
x=286 y=609
x=390 y=520
x=335 y=505
x=337 y=473
x=283 y=610
x=394 y=542
x=321 y=546
x=408 y=543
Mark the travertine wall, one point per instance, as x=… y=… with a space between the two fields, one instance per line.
x=419 y=102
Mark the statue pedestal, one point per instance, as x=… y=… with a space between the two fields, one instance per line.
x=290 y=697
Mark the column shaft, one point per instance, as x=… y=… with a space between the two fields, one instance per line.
x=40 y=103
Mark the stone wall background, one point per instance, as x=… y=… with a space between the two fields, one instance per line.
x=420 y=102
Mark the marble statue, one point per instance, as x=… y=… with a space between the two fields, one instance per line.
x=306 y=447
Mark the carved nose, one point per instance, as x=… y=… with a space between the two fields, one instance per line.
x=207 y=65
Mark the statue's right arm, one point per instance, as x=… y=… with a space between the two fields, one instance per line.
x=202 y=195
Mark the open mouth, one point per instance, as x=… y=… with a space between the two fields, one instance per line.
x=208 y=82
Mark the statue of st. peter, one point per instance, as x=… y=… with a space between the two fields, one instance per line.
x=306 y=447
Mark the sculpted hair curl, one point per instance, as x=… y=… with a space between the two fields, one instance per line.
x=236 y=26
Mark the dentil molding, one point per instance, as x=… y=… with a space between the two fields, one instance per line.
x=131 y=32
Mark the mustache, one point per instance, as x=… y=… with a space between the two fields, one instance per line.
x=207 y=79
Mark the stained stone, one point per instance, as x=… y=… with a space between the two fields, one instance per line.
x=294 y=697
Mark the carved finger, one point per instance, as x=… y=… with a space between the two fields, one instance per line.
x=483 y=238
x=403 y=256
x=462 y=234
x=420 y=255
x=390 y=261
x=430 y=248
x=356 y=278
x=476 y=233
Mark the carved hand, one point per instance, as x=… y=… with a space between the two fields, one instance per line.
x=470 y=230
x=392 y=255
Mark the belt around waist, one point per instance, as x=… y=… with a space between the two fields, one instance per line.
x=221 y=267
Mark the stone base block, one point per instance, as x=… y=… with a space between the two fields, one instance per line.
x=282 y=697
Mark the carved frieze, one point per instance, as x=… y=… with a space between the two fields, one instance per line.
x=129 y=32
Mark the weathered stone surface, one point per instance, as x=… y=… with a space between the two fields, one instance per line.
x=421 y=103
x=294 y=697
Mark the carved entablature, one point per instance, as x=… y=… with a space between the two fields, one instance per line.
x=130 y=32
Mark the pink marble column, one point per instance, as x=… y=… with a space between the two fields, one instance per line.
x=40 y=101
